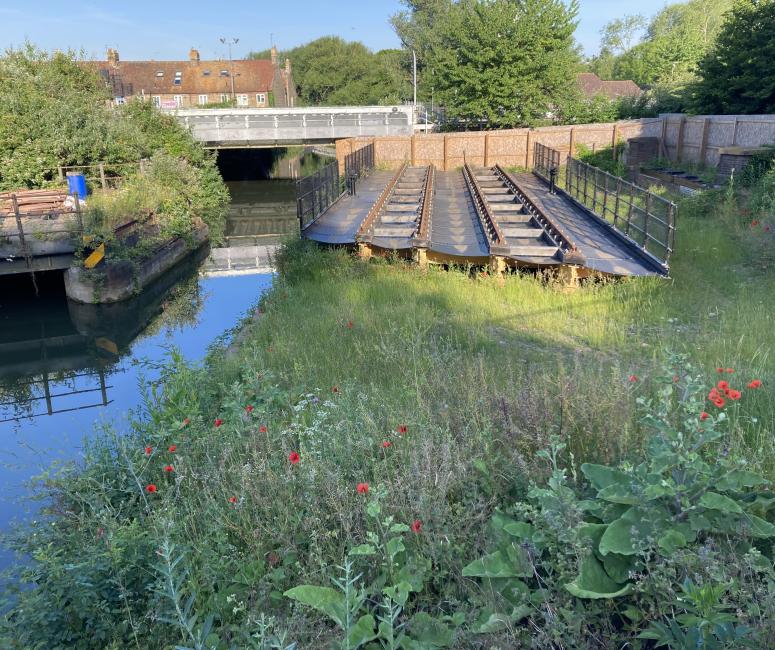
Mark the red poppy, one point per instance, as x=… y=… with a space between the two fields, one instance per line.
x=704 y=416
x=723 y=385
x=719 y=402
x=756 y=383
x=754 y=223
x=294 y=457
x=735 y=394
x=633 y=378
x=416 y=526
x=349 y=324
x=172 y=449
x=386 y=444
x=720 y=371
x=249 y=409
x=186 y=422
x=729 y=371
x=363 y=488
x=218 y=422
x=675 y=379
x=713 y=395
x=151 y=488
x=148 y=451
x=262 y=429
x=232 y=499
x=402 y=429
x=169 y=469
x=335 y=389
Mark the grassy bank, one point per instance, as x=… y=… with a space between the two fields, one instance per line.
x=436 y=390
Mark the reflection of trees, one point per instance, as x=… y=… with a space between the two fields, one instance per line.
x=180 y=308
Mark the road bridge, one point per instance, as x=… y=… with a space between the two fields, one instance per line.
x=244 y=128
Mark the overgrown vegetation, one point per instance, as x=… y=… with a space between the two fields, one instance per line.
x=55 y=111
x=330 y=482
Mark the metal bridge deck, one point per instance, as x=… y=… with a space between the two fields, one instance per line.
x=604 y=251
x=455 y=229
x=340 y=223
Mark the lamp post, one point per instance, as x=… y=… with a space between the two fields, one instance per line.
x=230 y=42
x=414 y=82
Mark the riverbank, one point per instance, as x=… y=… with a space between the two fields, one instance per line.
x=375 y=417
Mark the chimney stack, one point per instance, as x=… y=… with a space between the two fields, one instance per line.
x=193 y=55
x=113 y=57
x=274 y=55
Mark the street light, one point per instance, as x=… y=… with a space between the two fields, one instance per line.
x=230 y=42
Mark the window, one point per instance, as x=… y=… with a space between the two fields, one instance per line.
x=224 y=98
x=205 y=73
x=160 y=73
x=178 y=78
x=224 y=73
x=178 y=100
x=156 y=101
x=242 y=100
x=260 y=98
x=202 y=100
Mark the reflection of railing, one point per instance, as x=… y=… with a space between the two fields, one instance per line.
x=316 y=193
x=48 y=397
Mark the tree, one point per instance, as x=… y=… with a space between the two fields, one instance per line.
x=617 y=35
x=737 y=76
x=507 y=62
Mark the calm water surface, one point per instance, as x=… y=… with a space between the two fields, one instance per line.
x=68 y=369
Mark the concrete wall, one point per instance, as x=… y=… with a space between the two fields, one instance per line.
x=513 y=147
x=692 y=138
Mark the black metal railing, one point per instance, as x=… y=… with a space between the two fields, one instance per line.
x=357 y=164
x=316 y=193
x=546 y=163
x=644 y=217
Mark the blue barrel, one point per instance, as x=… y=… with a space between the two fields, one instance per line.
x=76 y=184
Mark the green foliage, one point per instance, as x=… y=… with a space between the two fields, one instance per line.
x=505 y=63
x=602 y=159
x=687 y=495
x=330 y=71
x=737 y=75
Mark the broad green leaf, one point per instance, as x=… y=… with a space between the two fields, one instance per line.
x=618 y=567
x=363 y=549
x=363 y=631
x=497 y=565
x=671 y=541
x=512 y=589
x=398 y=593
x=394 y=546
x=399 y=528
x=716 y=501
x=490 y=621
x=324 y=599
x=759 y=527
x=602 y=476
x=519 y=529
x=617 y=538
x=593 y=582
x=740 y=478
x=619 y=494
x=430 y=631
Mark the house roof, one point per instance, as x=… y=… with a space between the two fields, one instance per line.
x=211 y=77
x=592 y=85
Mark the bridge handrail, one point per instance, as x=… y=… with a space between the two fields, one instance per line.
x=319 y=191
x=359 y=162
x=642 y=219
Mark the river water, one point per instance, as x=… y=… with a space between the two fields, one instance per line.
x=67 y=369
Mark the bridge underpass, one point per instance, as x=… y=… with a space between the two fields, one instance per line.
x=242 y=128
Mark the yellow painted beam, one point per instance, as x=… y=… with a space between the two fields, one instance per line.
x=95 y=258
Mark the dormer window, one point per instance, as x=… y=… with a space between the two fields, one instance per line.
x=224 y=73
x=160 y=73
x=205 y=73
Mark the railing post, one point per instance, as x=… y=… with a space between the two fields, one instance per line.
x=616 y=205
x=646 y=221
x=102 y=176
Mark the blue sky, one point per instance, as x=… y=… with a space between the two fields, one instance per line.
x=166 y=29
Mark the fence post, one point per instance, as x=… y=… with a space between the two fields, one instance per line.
x=61 y=174
x=102 y=176
x=445 y=153
x=704 y=143
x=614 y=140
x=527 y=151
x=572 y=145
x=680 y=143
x=486 y=149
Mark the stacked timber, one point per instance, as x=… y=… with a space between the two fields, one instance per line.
x=38 y=203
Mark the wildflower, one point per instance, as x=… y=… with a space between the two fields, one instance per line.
x=335 y=389
x=232 y=499
x=416 y=526
x=723 y=385
x=186 y=422
x=172 y=449
x=735 y=395
x=148 y=451
x=402 y=429
x=349 y=324
x=729 y=371
x=754 y=223
x=294 y=457
x=150 y=488
x=262 y=429
x=713 y=395
x=633 y=378
x=719 y=402
x=756 y=383
x=720 y=371
x=675 y=379
x=249 y=409
x=218 y=422
x=386 y=444
x=704 y=416
x=363 y=488
x=169 y=469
